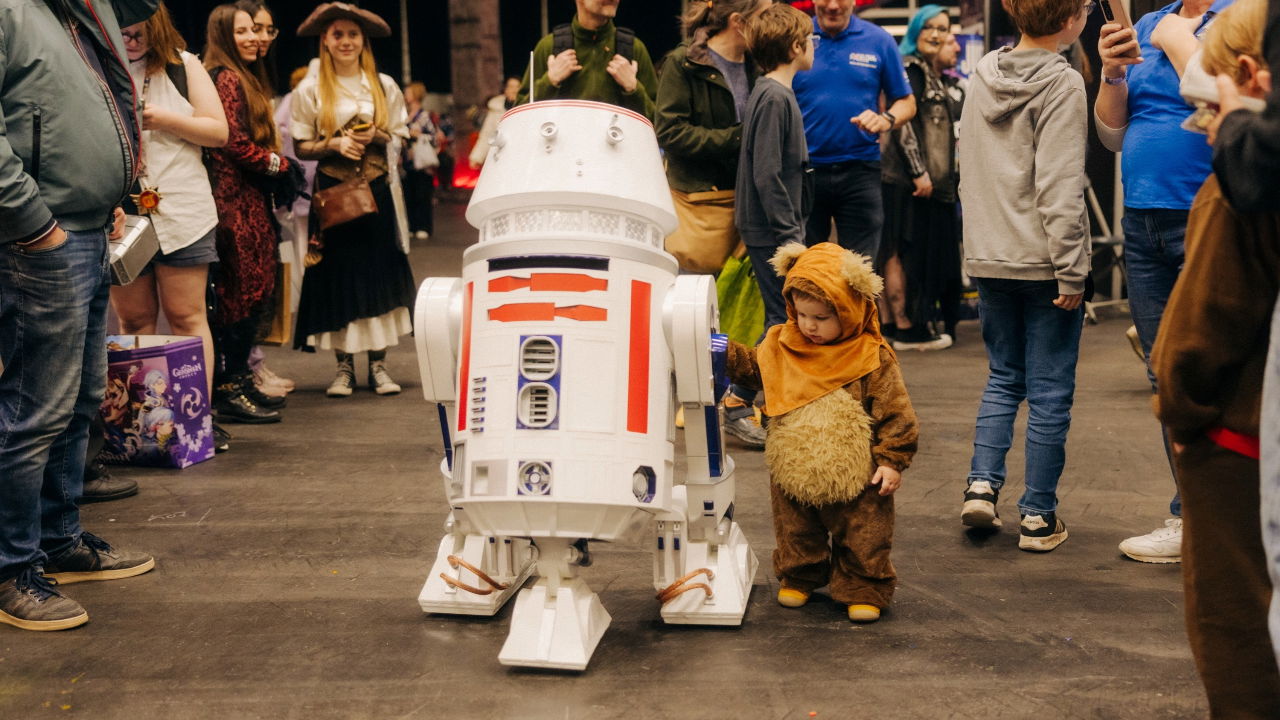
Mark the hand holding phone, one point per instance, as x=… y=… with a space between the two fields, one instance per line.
x=1114 y=13
x=1118 y=48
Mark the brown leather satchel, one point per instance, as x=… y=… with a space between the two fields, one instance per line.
x=348 y=200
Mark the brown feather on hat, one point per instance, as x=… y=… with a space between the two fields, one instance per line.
x=326 y=13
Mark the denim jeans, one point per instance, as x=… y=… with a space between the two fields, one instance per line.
x=1032 y=347
x=53 y=312
x=1269 y=437
x=1153 y=254
x=848 y=193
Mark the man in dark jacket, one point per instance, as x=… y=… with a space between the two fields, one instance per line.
x=593 y=68
x=68 y=155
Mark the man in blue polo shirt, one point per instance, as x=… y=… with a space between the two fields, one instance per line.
x=855 y=62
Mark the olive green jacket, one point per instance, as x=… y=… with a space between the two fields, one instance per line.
x=697 y=125
x=595 y=49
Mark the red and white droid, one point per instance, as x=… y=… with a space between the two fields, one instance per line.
x=558 y=361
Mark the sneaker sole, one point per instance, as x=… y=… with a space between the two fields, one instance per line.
x=337 y=393
x=942 y=343
x=980 y=514
x=1153 y=559
x=743 y=437
x=247 y=420
x=67 y=578
x=44 y=625
x=381 y=391
x=1041 y=544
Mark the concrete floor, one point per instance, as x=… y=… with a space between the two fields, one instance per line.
x=288 y=572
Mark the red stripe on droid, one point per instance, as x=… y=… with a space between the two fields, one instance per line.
x=464 y=371
x=638 y=362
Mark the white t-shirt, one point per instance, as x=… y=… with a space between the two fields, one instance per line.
x=173 y=166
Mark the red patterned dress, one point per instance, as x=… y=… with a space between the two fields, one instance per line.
x=247 y=235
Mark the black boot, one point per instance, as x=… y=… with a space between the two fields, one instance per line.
x=231 y=404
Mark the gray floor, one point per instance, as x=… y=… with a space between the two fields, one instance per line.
x=288 y=571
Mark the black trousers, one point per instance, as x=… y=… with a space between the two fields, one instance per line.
x=849 y=195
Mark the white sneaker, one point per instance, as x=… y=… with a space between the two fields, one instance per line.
x=1162 y=545
x=343 y=383
x=421 y=236
x=380 y=380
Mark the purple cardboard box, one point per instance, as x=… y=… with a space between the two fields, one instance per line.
x=156 y=407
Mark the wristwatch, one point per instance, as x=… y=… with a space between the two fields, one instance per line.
x=1114 y=81
x=889 y=116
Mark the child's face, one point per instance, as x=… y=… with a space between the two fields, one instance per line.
x=1071 y=31
x=817 y=320
x=805 y=55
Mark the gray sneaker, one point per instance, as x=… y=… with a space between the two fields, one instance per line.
x=747 y=429
x=93 y=559
x=30 y=602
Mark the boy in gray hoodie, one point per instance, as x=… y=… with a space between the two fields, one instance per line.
x=1026 y=245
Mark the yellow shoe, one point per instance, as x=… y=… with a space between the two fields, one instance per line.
x=864 y=613
x=792 y=598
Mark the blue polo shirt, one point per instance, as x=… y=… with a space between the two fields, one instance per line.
x=1163 y=166
x=849 y=72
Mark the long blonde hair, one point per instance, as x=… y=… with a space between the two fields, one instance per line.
x=327 y=89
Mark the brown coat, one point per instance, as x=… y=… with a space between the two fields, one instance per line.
x=827 y=450
x=1212 y=348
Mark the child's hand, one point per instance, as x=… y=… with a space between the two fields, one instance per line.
x=1069 y=302
x=888 y=479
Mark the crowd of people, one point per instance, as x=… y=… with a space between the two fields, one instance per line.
x=828 y=160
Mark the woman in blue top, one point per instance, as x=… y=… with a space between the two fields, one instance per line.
x=1140 y=111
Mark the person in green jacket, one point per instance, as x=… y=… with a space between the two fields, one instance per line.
x=593 y=68
x=702 y=94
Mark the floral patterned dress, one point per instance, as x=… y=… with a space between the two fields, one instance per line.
x=247 y=235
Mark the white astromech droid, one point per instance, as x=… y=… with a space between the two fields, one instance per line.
x=558 y=361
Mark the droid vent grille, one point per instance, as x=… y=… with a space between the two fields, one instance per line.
x=636 y=230
x=539 y=358
x=537 y=405
x=603 y=223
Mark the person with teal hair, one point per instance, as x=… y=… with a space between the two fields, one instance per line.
x=908 y=44
x=920 y=242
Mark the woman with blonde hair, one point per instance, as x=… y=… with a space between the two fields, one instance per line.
x=247 y=237
x=358 y=290
x=181 y=115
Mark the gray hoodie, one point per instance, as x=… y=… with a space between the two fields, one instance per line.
x=1022 y=145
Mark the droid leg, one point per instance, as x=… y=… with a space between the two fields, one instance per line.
x=703 y=565
x=474 y=574
x=557 y=622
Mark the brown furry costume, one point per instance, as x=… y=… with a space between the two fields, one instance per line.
x=832 y=527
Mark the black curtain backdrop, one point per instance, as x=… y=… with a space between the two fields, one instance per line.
x=655 y=22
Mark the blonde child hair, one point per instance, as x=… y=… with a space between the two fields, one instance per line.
x=1236 y=33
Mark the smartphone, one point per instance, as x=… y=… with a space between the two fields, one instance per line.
x=1113 y=12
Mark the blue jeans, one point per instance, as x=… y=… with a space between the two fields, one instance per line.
x=1032 y=347
x=1153 y=255
x=53 y=314
x=848 y=193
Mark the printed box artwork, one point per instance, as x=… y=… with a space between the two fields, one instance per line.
x=156 y=408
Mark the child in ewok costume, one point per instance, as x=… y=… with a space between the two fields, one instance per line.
x=842 y=430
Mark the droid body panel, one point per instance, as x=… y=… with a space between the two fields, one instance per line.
x=558 y=360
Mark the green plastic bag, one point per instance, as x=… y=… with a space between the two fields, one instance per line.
x=741 y=307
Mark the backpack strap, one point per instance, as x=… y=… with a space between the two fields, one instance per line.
x=177 y=73
x=626 y=43
x=562 y=38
